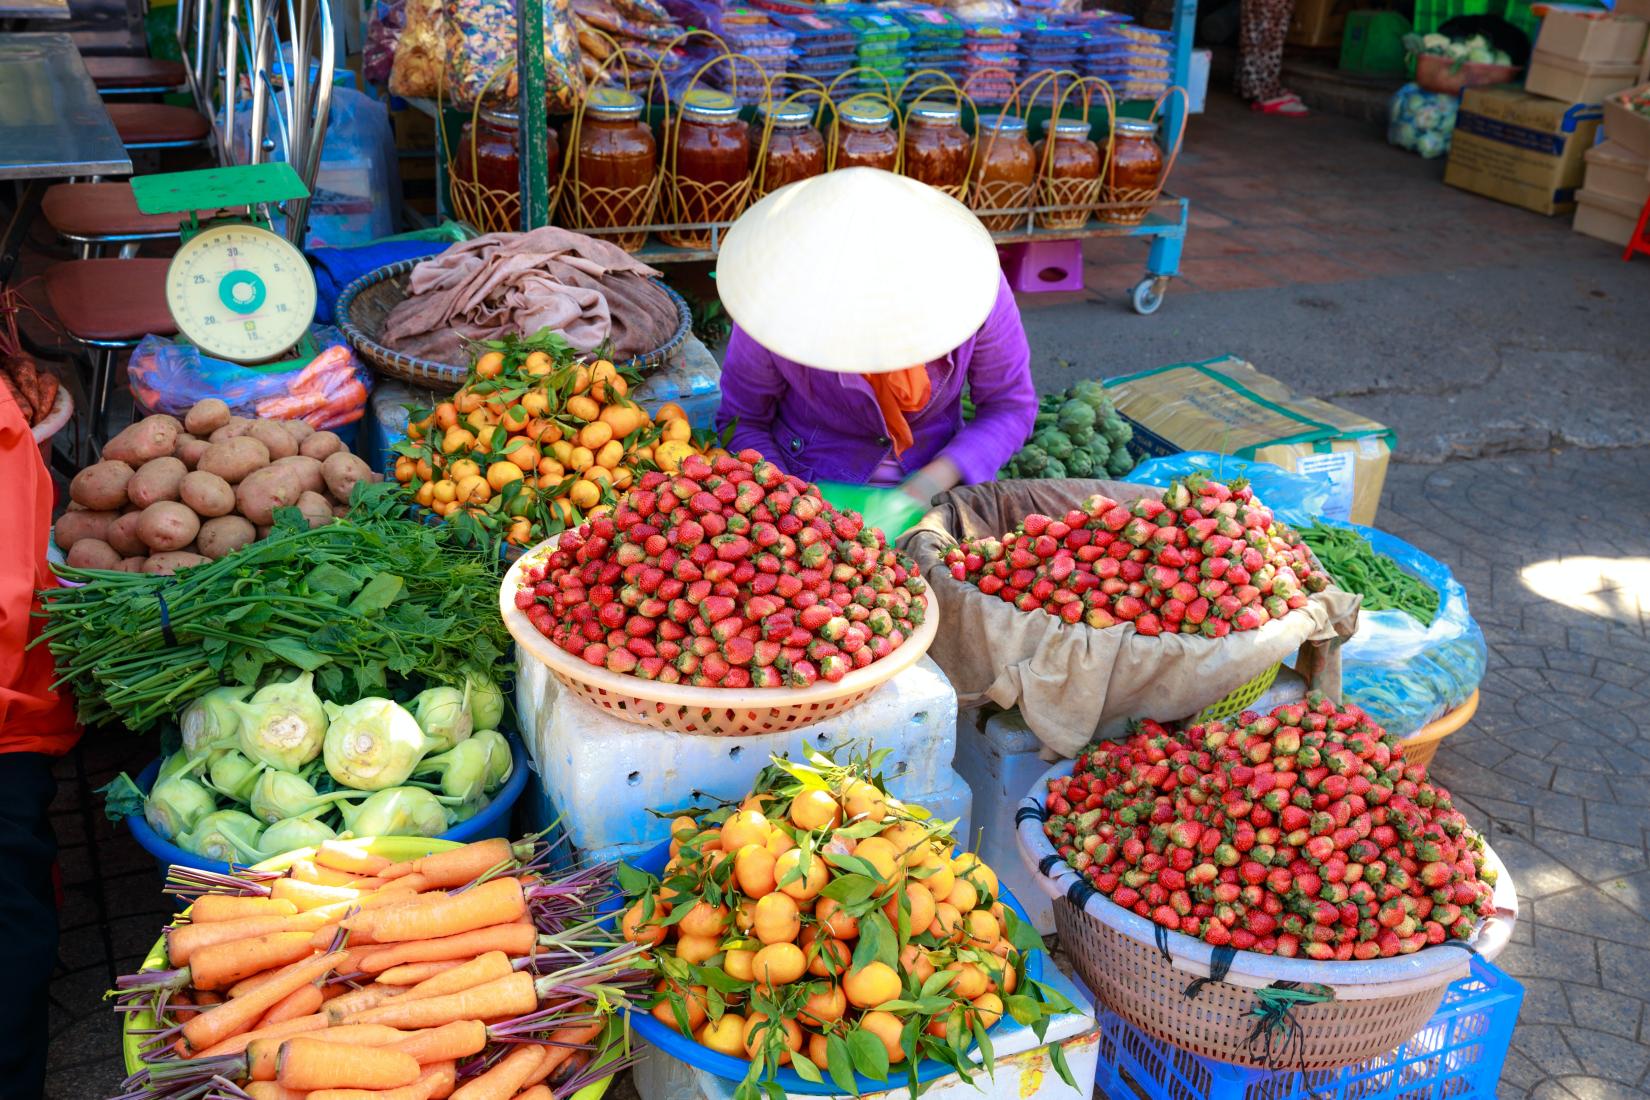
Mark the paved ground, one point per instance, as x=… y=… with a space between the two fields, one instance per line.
x=1346 y=268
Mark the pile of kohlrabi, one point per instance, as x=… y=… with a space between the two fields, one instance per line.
x=1476 y=50
x=264 y=772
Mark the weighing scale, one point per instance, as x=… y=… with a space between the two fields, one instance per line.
x=236 y=289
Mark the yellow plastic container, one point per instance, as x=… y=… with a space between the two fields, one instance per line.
x=1422 y=745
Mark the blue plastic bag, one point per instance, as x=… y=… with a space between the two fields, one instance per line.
x=1421 y=121
x=1296 y=499
x=1405 y=674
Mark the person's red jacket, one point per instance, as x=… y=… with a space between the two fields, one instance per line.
x=33 y=717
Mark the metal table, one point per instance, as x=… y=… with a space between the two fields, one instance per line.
x=34 y=9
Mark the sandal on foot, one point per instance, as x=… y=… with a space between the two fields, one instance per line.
x=1288 y=105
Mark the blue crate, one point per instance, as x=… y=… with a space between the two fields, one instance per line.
x=1458 y=1054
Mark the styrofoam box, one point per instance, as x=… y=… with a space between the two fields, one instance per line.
x=1022 y=1068
x=602 y=774
x=1001 y=758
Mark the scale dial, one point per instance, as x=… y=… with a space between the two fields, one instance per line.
x=241 y=293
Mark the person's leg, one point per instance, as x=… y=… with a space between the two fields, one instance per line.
x=1265 y=23
x=28 y=921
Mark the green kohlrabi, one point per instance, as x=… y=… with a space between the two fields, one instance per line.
x=283 y=724
x=176 y=805
x=486 y=701
x=277 y=795
x=373 y=744
x=232 y=775
x=227 y=835
x=210 y=722
x=444 y=715
x=461 y=772
x=293 y=833
x=398 y=811
x=500 y=761
x=177 y=764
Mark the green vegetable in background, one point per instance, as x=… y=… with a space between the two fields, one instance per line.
x=293 y=833
x=486 y=701
x=374 y=743
x=1078 y=433
x=396 y=811
x=443 y=714
x=500 y=760
x=1358 y=567
x=232 y=775
x=283 y=724
x=211 y=721
x=228 y=835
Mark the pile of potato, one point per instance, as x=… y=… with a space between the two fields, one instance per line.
x=170 y=494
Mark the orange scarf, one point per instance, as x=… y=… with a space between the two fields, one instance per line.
x=900 y=392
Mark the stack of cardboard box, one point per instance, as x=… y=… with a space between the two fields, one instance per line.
x=1529 y=147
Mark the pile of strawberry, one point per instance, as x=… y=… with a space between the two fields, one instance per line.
x=1206 y=558
x=728 y=574
x=1302 y=832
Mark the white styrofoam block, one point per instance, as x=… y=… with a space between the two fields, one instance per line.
x=999 y=758
x=1022 y=1068
x=952 y=802
x=1197 y=81
x=603 y=773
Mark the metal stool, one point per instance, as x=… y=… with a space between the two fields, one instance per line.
x=121 y=76
x=159 y=125
x=94 y=215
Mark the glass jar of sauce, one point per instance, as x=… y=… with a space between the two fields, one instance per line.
x=1136 y=173
x=1005 y=171
x=1073 y=175
x=937 y=148
x=796 y=151
x=616 y=166
x=486 y=171
x=711 y=166
x=864 y=136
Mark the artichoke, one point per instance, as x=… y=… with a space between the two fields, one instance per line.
x=1080 y=464
x=1090 y=392
x=1118 y=432
x=1074 y=413
x=1054 y=468
x=1055 y=443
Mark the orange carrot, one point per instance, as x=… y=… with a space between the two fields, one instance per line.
x=478 y=971
x=413 y=973
x=305 y=1063
x=459 y=1039
x=269 y=1090
x=456 y=866
x=497 y=902
x=505 y=1078
x=349 y=856
x=234 y=1044
x=310 y=895
x=564 y=1043
x=496 y=1000
x=307 y=870
x=217 y=907
x=511 y=939
x=359 y=1000
x=221 y=965
x=183 y=940
x=225 y=1020
x=434 y=1081
x=262 y=1055
x=537 y=1092
x=303 y=1001
x=387 y=897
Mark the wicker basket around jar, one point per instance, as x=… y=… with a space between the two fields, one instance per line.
x=707 y=173
x=1069 y=174
x=712 y=712
x=1005 y=173
x=484 y=172
x=1134 y=178
x=1162 y=984
x=611 y=177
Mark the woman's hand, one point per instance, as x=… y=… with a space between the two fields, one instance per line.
x=933 y=479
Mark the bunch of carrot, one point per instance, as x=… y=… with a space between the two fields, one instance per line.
x=471 y=973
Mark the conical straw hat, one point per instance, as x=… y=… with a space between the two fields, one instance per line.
x=858 y=271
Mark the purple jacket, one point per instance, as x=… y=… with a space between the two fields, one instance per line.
x=821 y=425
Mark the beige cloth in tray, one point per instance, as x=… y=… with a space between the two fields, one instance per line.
x=587 y=289
x=1073 y=681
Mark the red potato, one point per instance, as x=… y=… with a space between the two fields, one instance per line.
x=343 y=471
x=93 y=554
x=224 y=535
x=308 y=471
x=234 y=459
x=102 y=485
x=189 y=450
x=172 y=561
x=236 y=427
x=167 y=526
x=263 y=491
x=206 y=416
x=151 y=437
x=274 y=435
x=157 y=480
x=320 y=445
x=300 y=429
x=316 y=509
x=77 y=524
x=123 y=536
x=207 y=493
x=132 y=564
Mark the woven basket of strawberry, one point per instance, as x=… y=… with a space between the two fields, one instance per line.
x=1106 y=600
x=729 y=599
x=1285 y=891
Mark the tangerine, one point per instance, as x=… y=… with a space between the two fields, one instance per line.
x=863 y=800
x=737 y=962
x=802 y=887
x=704 y=919
x=651 y=933
x=696 y=949
x=745 y=827
x=833 y=917
x=758 y=1031
x=871 y=985
x=824 y=1006
x=725 y=1036
x=777 y=919
x=885 y=1026
x=815 y=810
x=753 y=867
x=776 y=964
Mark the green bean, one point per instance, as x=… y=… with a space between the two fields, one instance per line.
x=1358 y=567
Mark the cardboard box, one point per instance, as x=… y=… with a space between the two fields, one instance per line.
x=1638 y=8
x=1317 y=22
x=1606 y=217
x=1592 y=36
x=1227 y=406
x=1577 y=81
x=1625 y=126
x=1521 y=149
x=1618 y=172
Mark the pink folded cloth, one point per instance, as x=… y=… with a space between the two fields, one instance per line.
x=589 y=290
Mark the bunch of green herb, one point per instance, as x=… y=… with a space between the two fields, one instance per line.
x=372 y=604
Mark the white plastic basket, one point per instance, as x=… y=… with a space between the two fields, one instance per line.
x=716 y=712
x=1377 y=1004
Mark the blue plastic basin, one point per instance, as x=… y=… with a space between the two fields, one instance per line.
x=491 y=821
x=679 y=1046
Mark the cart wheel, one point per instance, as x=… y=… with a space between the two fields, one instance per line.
x=1147 y=295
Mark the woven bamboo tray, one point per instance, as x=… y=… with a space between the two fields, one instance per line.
x=1376 y=1007
x=709 y=712
x=366 y=302
x=1422 y=745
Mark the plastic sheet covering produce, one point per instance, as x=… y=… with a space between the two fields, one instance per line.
x=1404 y=673
x=1421 y=121
x=1297 y=499
x=328 y=392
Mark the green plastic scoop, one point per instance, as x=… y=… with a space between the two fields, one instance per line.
x=894 y=511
